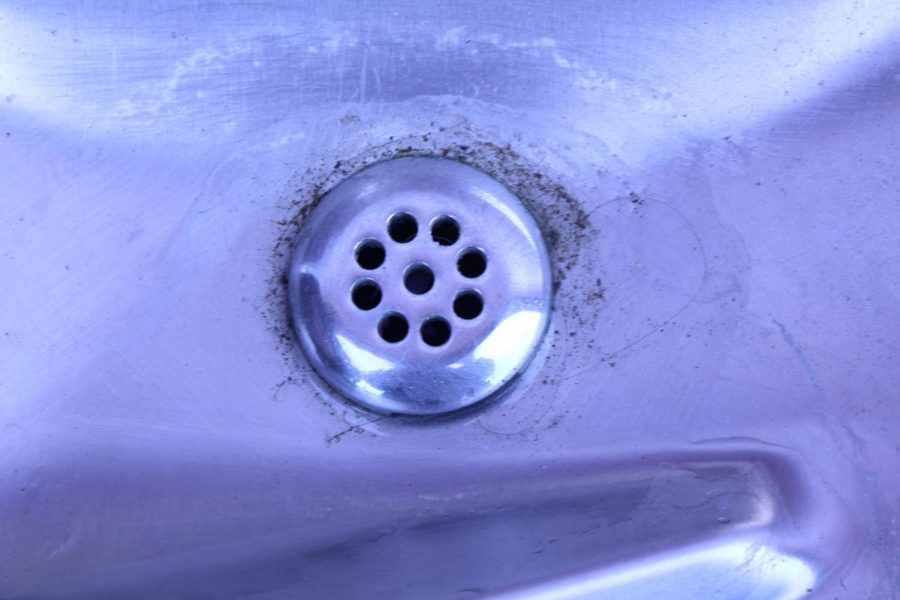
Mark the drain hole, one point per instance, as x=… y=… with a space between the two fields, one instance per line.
x=370 y=254
x=468 y=305
x=366 y=295
x=418 y=279
x=402 y=228
x=435 y=331
x=472 y=263
x=393 y=327
x=445 y=231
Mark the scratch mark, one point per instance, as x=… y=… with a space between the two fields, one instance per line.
x=801 y=356
x=362 y=75
x=353 y=428
x=657 y=327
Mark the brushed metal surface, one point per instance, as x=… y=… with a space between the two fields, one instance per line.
x=715 y=412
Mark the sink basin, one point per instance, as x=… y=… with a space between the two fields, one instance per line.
x=712 y=413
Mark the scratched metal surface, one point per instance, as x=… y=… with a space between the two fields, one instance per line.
x=714 y=414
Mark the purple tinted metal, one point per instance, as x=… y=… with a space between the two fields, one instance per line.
x=714 y=412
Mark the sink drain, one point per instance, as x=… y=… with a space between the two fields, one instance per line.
x=419 y=286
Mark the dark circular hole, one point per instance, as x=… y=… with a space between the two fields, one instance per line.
x=468 y=305
x=418 y=279
x=366 y=295
x=435 y=331
x=402 y=228
x=472 y=262
x=393 y=327
x=370 y=254
x=445 y=231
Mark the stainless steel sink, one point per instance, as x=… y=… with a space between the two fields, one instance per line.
x=714 y=411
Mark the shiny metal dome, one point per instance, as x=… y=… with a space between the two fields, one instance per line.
x=420 y=286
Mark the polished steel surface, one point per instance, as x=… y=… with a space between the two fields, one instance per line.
x=713 y=412
x=471 y=303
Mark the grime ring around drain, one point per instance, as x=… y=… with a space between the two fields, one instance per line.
x=419 y=286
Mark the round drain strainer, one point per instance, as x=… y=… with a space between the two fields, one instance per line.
x=420 y=286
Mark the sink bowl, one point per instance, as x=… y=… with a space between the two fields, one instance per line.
x=713 y=411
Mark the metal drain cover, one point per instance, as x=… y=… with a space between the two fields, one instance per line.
x=420 y=286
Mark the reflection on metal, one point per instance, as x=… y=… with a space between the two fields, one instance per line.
x=420 y=286
x=713 y=408
x=745 y=568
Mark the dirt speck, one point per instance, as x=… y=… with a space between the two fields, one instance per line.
x=560 y=216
